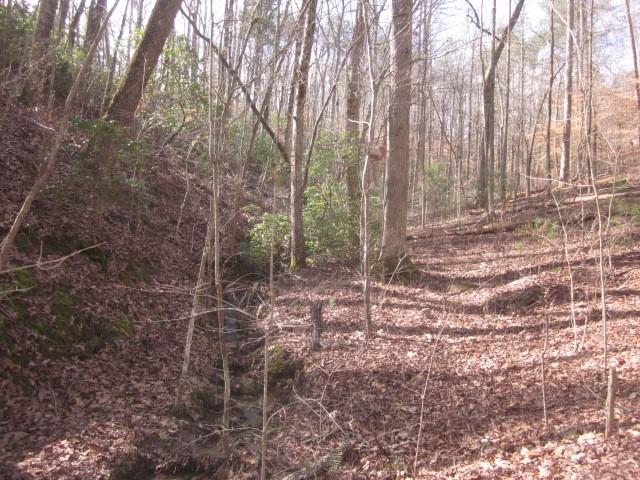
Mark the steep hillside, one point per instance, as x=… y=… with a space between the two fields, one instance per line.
x=92 y=328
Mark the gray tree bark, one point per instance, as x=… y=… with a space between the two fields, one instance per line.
x=632 y=37
x=565 y=160
x=352 y=126
x=550 y=98
x=44 y=25
x=127 y=98
x=487 y=152
x=297 y=133
x=394 y=234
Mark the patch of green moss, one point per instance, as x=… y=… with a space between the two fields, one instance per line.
x=73 y=331
x=629 y=208
x=120 y=326
x=23 y=279
x=64 y=245
x=16 y=303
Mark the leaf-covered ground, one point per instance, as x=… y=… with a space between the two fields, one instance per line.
x=449 y=386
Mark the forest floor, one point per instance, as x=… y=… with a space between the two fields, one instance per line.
x=449 y=385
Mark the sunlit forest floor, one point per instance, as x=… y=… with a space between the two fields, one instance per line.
x=456 y=357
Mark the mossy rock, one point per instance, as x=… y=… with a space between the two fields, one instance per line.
x=395 y=267
x=248 y=386
x=283 y=365
x=205 y=400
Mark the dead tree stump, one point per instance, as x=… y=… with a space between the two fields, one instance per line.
x=316 y=321
x=610 y=424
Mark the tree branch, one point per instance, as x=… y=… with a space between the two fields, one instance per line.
x=243 y=87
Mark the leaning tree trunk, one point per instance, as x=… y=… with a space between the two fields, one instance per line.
x=297 y=134
x=394 y=235
x=126 y=100
x=565 y=161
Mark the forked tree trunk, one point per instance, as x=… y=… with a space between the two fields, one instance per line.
x=62 y=16
x=42 y=46
x=73 y=26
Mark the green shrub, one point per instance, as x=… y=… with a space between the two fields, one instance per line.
x=259 y=247
x=628 y=208
x=331 y=231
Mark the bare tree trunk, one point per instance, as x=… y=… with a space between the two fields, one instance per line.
x=488 y=94
x=632 y=37
x=565 y=161
x=52 y=158
x=97 y=11
x=365 y=182
x=126 y=100
x=73 y=26
x=215 y=158
x=114 y=58
x=394 y=235
x=40 y=56
x=550 y=98
x=62 y=16
x=530 y=145
x=298 y=130
x=503 y=149
x=44 y=25
x=352 y=126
